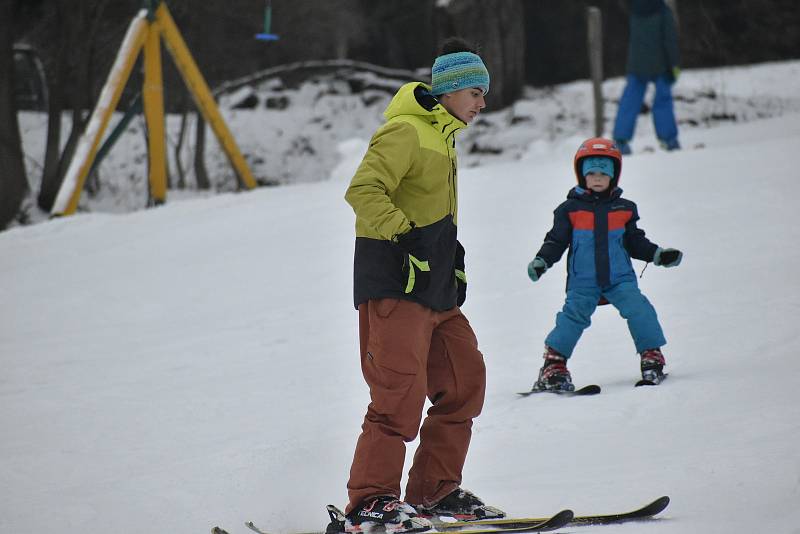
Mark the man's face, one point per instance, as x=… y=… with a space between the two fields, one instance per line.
x=464 y=104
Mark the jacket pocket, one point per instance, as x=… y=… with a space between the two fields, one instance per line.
x=390 y=377
x=385 y=307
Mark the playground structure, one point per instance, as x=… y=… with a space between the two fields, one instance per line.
x=145 y=32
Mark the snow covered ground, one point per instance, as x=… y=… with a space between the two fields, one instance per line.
x=176 y=368
x=297 y=123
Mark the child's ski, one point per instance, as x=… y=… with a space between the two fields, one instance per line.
x=652 y=382
x=592 y=389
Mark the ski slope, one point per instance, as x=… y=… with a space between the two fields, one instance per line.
x=195 y=365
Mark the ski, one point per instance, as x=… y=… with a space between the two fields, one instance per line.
x=544 y=524
x=506 y=525
x=592 y=389
x=653 y=382
x=218 y=530
x=251 y=526
x=503 y=526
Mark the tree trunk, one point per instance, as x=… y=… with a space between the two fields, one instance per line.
x=184 y=109
x=13 y=182
x=70 y=84
x=200 y=172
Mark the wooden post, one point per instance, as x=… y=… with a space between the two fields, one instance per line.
x=153 y=93
x=594 y=42
x=202 y=95
x=68 y=195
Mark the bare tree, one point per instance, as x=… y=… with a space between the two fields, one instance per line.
x=70 y=83
x=497 y=26
x=13 y=182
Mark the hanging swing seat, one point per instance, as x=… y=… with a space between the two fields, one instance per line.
x=267 y=35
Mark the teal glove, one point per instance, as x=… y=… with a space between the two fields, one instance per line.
x=536 y=268
x=667 y=257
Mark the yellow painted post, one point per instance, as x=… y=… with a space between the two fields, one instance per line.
x=68 y=195
x=153 y=97
x=202 y=95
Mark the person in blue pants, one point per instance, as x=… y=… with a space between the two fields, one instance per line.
x=599 y=228
x=653 y=57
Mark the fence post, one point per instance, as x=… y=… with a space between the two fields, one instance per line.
x=594 y=42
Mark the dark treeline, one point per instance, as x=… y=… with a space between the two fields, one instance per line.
x=539 y=42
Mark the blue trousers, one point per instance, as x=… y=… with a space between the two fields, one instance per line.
x=632 y=305
x=631 y=103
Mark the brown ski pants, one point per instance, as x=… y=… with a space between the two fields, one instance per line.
x=408 y=352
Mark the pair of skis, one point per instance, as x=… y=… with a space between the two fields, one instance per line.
x=591 y=389
x=504 y=526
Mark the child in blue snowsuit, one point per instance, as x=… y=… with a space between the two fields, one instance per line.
x=598 y=227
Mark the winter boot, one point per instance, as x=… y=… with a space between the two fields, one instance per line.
x=462 y=505
x=670 y=144
x=652 y=365
x=623 y=146
x=385 y=513
x=554 y=374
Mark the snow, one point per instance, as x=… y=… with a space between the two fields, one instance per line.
x=197 y=364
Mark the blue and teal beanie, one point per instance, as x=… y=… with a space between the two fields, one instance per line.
x=602 y=164
x=459 y=70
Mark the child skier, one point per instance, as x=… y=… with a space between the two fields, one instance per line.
x=599 y=228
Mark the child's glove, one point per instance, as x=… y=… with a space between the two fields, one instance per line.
x=667 y=257
x=536 y=268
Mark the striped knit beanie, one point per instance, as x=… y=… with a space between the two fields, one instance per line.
x=459 y=70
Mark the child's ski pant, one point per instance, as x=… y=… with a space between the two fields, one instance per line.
x=632 y=305
x=631 y=103
x=410 y=352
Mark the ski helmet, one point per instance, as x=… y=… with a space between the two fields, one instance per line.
x=598 y=146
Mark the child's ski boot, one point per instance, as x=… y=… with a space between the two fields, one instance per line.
x=652 y=367
x=554 y=375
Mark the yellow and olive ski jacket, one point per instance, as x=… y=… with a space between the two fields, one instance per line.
x=407 y=180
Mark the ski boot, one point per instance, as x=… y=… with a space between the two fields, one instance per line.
x=385 y=513
x=670 y=144
x=554 y=375
x=463 y=506
x=623 y=146
x=653 y=365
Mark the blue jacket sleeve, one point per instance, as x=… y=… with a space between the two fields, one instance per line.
x=558 y=238
x=637 y=245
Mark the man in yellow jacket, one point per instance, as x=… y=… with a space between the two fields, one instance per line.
x=409 y=282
